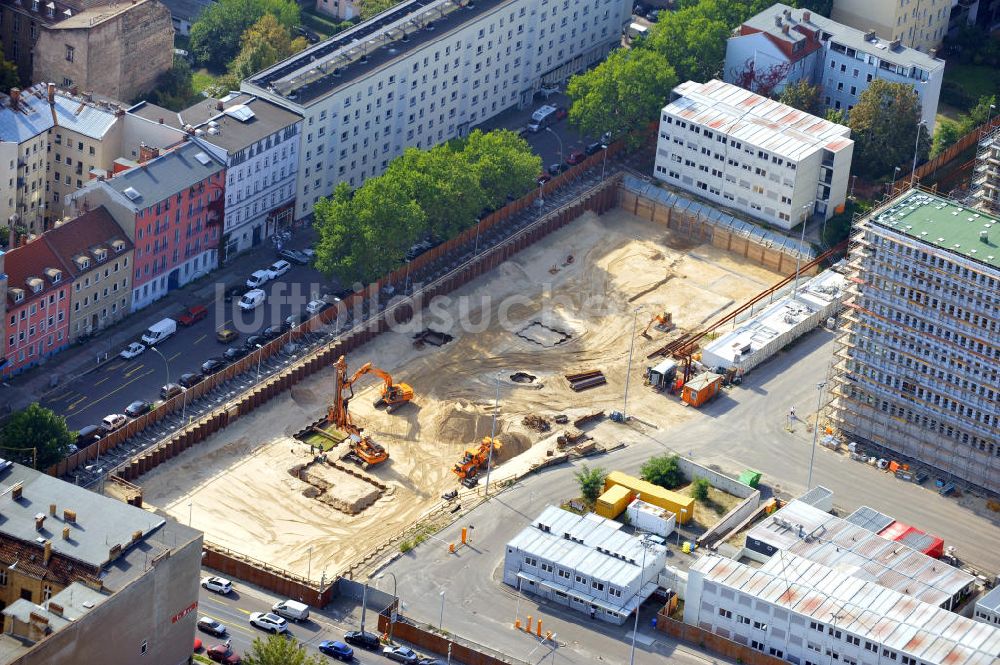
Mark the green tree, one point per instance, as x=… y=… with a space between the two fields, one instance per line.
x=699 y=489
x=263 y=44
x=36 y=433
x=173 y=89
x=623 y=93
x=503 y=162
x=591 y=483
x=979 y=114
x=692 y=42
x=662 y=470
x=884 y=126
x=947 y=133
x=801 y=95
x=366 y=235
x=836 y=116
x=216 y=35
x=8 y=73
x=279 y=650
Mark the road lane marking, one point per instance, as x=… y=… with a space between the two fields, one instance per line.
x=114 y=366
x=61 y=396
x=97 y=383
x=176 y=355
x=224 y=325
x=229 y=628
x=101 y=399
x=200 y=338
x=73 y=405
x=133 y=371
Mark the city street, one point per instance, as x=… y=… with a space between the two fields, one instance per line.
x=743 y=428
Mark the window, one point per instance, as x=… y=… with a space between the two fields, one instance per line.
x=759 y=625
x=70 y=53
x=143 y=648
x=742 y=619
x=725 y=613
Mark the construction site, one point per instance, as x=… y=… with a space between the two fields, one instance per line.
x=353 y=455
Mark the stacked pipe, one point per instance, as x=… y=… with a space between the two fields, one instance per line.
x=585 y=380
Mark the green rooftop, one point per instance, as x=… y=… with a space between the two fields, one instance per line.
x=943 y=223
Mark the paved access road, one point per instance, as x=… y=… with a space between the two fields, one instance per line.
x=743 y=428
x=234 y=610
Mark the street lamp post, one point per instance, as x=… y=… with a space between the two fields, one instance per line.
x=493 y=433
x=309 y=569
x=441 y=618
x=260 y=356
x=812 y=456
x=395 y=599
x=604 y=163
x=517 y=608
x=798 y=254
x=916 y=150
x=165 y=363
x=642 y=570
x=628 y=371
x=364 y=605
x=677 y=527
x=892 y=185
x=190 y=511
x=549 y=130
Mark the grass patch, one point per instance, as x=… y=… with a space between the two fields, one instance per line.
x=198 y=658
x=202 y=79
x=718 y=504
x=325 y=441
x=423 y=533
x=976 y=80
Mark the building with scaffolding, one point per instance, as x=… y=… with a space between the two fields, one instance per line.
x=917 y=372
x=986 y=175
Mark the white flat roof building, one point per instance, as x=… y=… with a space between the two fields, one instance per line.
x=810 y=614
x=988 y=608
x=752 y=154
x=585 y=562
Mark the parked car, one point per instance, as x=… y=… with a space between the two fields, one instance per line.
x=137 y=408
x=113 y=421
x=234 y=353
x=226 y=335
x=309 y=253
x=561 y=112
x=189 y=379
x=271 y=332
x=253 y=299
x=170 y=390
x=557 y=168
x=594 y=147
x=278 y=268
x=401 y=654
x=217 y=584
x=294 y=256
x=337 y=650
x=653 y=15
x=132 y=350
x=192 y=315
x=419 y=248
x=211 y=626
x=89 y=435
x=292 y=610
x=258 y=279
x=365 y=640
x=576 y=157
x=212 y=365
x=159 y=331
x=252 y=341
x=269 y=622
x=293 y=320
x=221 y=653
x=316 y=306
x=235 y=292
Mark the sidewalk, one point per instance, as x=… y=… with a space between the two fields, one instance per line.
x=20 y=390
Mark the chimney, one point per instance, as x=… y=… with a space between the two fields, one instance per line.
x=788 y=14
x=52 y=509
x=147 y=153
x=136 y=536
x=161 y=121
x=39 y=521
x=48 y=552
x=88 y=96
x=806 y=15
x=894 y=45
x=15 y=98
x=65 y=533
x=55 y=608
x=218 y=106
x=16 y=491
x=784 y=29
x=870 y=35
x=777 y=20
x=74 y=90
x=52 y=93
x=69 y=516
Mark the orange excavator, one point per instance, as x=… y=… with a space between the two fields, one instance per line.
x=364 y=450
x=663 y=322
x=476 y=459
x=394 y=395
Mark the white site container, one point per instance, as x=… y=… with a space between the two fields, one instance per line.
x=650 y=518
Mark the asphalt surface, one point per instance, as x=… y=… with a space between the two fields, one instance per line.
x=745 y=427
x=233 y=611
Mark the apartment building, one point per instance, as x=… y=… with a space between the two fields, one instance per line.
x=585 y=562
x=424 y=72
x=259 y=143
x=37 y=313
x=89 y=579
x=919 y=24
x=22 y=20
x=752 y=154
x=170 y=207
x=917 y=373
x=808 y=613
x=837 y=58
x=98 y=255
x=24 y=125
x=342 y=10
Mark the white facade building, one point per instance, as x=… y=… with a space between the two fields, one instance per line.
x=841 y=60
x=585 y=562
x=753 y=154
x=809 y=614
x=988 y=607
x=424 y=72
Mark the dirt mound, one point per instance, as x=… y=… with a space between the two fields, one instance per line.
x=462 y=422
x=514 y=443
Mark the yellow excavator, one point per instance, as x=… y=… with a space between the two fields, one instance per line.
x=475 y=460
x=364 y=450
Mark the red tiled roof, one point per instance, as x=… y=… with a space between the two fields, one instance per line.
x=93 y=229
x=31 y=260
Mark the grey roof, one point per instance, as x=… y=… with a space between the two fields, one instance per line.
x=587 y=543
x=235 y=134
x=841 y=34
x=31 y=118
x=165 y=175
x=35 y=116
x=188 y=10
x=809 y=532
x=76 y=600
x=84 y=118
x=880 y=615
x=869 y=518
x=100 y=524
x=990 y=601
x=151 y=111
x=816 y=495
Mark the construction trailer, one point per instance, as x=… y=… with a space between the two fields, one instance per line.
x=914 y=538
x=681 y=506
x=662 y=376
x=701 y=388
x=651 y=519
x=613 y=501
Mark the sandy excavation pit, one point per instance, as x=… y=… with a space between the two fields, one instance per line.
x=337 y=487
x=238 y=485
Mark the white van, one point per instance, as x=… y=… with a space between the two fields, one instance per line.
x=542 y=118
x=637 y=30
x=252 y=299
x=291 y=609
x=159 y=331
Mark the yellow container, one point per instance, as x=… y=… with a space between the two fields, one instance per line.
x=681 y=506
x=613 y=502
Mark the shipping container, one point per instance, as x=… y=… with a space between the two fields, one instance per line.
x=613 y=501
x=750 y=478
x=681 y=506
x=650 y=518
x=701 y=388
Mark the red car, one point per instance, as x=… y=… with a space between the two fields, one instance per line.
x=561 y=112
x=221 y=653
x=192 y=315
x=575 y=157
